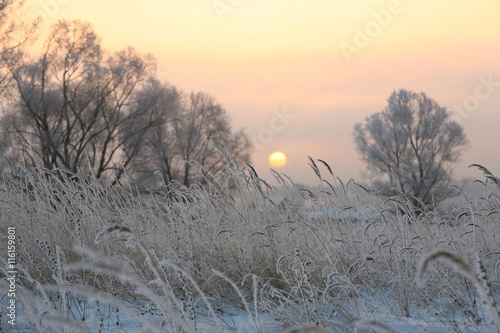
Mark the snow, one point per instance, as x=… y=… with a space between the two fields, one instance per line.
x=143 y=317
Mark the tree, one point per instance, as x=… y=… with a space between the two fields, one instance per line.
x=158 y=147
x=75 y=101
x=412 y=143
x=205 y=124
x=14 y=33
x=184 y=150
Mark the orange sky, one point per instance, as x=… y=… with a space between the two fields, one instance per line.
x=263 y=56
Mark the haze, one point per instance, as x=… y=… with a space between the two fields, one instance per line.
x=265 y=56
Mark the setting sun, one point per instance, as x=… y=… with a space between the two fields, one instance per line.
x=277 y=159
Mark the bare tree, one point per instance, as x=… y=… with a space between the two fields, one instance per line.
x=412 y=143
x=74 y=100
x=159 y=151
x=14 y=33
x=183 y=150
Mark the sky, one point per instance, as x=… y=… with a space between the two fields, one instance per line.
x=298 y=75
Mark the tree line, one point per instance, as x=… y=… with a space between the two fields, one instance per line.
x=77 y=106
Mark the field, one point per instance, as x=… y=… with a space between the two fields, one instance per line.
x=242 y=255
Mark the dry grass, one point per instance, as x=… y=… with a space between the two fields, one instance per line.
x=193 y=255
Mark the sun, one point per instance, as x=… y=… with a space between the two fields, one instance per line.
x=277 y=159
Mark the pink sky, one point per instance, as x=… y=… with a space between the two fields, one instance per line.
x=268 y=55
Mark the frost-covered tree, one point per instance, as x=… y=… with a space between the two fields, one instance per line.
x=158 y=147
x=75 y=101
x=206 y=124
x=412 y=144
x=183 y=150
x=14 y=33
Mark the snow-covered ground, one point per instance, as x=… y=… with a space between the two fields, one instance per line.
x=145 y=317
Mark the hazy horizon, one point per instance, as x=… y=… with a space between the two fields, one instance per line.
x=262 y=57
